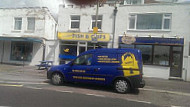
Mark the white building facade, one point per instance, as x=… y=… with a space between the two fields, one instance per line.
x=27 y=36
x=161 y=32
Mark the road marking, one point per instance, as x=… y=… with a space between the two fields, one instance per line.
x=176 y=106
x=11 y=85
x=5 y=106
x=96 y=95
x=22 y=82
x=140 y=101
x=166 y=91
x=36 y=88
x=66 y=91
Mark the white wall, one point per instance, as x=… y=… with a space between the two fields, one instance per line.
x=156 y=71
x=180 y=24
x=43 y=20
x=85 y=22
x=45 y=28
x=52 y=51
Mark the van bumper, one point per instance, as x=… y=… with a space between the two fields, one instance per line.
x=142 y=84
x=49 y=73
x=136 y=82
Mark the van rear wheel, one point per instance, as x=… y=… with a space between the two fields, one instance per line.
x=121 y=86
x=57 y=79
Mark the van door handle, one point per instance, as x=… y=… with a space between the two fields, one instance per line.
x=96 y=69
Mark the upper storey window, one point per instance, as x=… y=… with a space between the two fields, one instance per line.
x=17 y=23
x=75 y=22
x=154 y=21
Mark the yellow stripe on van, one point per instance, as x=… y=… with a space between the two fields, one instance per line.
x=129 y=62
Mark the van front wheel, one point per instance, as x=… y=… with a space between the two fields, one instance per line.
x=121 y=86
x=57 y=79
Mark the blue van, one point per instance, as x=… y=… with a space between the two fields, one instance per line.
x=121 y=68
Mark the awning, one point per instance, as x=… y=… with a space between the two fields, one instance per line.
x=29 y=39
x=156 y=40
x=61 y=56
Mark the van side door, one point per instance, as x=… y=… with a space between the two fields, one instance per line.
x=81 y=69
x=106 y=65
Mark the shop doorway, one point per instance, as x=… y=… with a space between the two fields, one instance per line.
x=82 y=47
x=176 y=62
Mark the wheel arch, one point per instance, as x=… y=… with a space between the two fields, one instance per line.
x=124 y=78
x=59 y=72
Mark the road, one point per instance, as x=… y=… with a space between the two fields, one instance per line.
x=13 y=96
x=167 y=93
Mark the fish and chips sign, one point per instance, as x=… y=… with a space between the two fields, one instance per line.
x=128 y=39
x=99 y=37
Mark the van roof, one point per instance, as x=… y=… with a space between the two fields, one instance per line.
x=112 y=50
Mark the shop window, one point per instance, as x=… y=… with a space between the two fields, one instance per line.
x=99 y=22
x=161 y=55
x=18 y=23
x=21 y=51
x=75 y=22
x=31 y=23
x=149 y=21
x=126 y=46
x=69 y=50
x=146 y=53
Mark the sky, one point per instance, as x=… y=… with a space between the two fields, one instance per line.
x=53 y=5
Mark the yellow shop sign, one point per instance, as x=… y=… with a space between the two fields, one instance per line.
x=100 y=37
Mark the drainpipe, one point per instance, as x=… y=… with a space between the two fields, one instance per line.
x=114 y=23
x=44 y=50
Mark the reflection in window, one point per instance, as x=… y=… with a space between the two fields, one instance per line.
x=18 y=23
x=84 y=60
x=69 y=50
x=21 y=51
x=126 y=46
x=31 y=23
x=161 y=55
x=75 y=22
x=149 y=21
x=99 y=21
x=146 y=53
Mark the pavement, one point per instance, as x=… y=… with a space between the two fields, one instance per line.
x=20 y=73
x=15 y=73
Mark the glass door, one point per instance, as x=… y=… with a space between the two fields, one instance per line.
x=176 y=62
x=82 y=47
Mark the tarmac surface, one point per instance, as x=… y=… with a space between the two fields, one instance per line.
x=162 y=92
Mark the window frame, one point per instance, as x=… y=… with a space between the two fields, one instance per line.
x=14 y=23
x=135 y=15
x=93 y=21
x=74 y=21
x=28 y=24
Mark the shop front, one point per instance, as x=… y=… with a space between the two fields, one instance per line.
x=72 y=44
x=19 y=50
x=161 y=53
